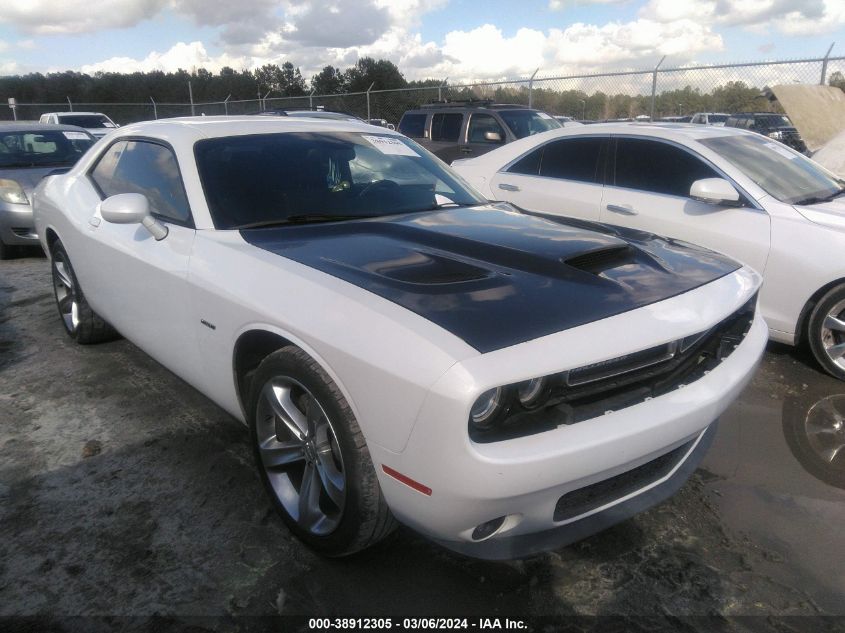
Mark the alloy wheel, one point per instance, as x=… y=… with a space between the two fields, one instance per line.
x=300 y=455
x=833 y=334
x=66 y=295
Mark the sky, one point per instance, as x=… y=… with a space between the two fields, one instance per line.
x=459 y=39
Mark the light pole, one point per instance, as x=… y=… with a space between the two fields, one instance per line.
x=583 y=109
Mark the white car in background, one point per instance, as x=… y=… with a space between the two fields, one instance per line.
x=730 y=190
x=710 y=118
x=95 y=123
x=398 y=346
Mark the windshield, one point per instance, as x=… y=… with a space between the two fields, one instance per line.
x=33 y=148
x=779 y=171
x=717 y=118
x=263 y=179
x=527 y=122
x=86 y=120
x=774 y=120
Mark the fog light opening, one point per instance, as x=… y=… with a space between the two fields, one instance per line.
x=487 y=529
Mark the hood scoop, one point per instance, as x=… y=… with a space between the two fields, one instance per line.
x=419 y=267
x=599 y=260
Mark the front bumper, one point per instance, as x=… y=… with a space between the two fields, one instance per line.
x=524 y=479
x=17 y=226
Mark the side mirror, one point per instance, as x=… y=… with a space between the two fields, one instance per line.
x=714 y=191
x=493 y=137
x=132 y=208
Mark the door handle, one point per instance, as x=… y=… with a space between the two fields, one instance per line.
x=506 y=187
x=623 y=209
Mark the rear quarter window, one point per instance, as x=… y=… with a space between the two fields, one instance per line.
x=413 y=125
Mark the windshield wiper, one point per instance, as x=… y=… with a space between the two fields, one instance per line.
x=301 y=219
x=819 y=199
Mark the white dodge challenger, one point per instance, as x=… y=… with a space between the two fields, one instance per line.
x=401 y=349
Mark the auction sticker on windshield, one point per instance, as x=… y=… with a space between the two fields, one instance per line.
x=388 y=145
x=76 y=136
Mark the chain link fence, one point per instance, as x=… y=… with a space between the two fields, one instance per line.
x=656 y=93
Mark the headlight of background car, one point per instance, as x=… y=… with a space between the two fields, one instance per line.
x=777 y=135
x=11 y=191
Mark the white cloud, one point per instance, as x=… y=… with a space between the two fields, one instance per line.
x=47 y=17
x=791 y=17
x=186 y=56
x=560 y=5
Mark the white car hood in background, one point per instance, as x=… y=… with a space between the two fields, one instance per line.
x=830 y=214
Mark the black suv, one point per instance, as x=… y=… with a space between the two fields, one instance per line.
x=462 y=129
x=775 y=126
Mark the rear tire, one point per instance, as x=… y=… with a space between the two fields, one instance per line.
x=826 y=332
x=81 y=323
x=313 y=458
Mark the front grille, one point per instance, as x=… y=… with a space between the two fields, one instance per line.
x=596 y=495
x=587 y=392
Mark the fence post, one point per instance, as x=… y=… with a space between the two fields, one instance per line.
x=311 y=99
x=654 y=87
x=368 y=100
x=440 y=89
x=155 y=109
x=531 y=88
x=226 y=104
x=69 y=103
x=191 y=97
x=824 y=64
x=264 y=100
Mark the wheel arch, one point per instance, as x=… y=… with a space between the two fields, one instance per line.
x=804 y=316
x=254 y=343
x=50 y=237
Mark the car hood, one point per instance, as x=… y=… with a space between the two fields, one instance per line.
x=496 y=277
x=830 y=214
x=28 y=177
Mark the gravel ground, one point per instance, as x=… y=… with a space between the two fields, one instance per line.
x=123 y=491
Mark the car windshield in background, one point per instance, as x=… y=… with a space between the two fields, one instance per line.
x=782 y=173
x=717 y=118
x=42 y=148
x=527 y=122
x=300 y=177
x=775 y=120
x=85 y=120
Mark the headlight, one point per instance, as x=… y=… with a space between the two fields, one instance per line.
x=532 y=393
x=11 y=191
x=490 y=407
x=778 y=136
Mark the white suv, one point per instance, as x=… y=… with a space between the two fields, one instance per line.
x=96 y=123
x=710 y=118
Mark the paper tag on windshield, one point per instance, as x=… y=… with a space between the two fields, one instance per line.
x=780 y=149
x=76 y=136
x=543 y=115
x=390 y=145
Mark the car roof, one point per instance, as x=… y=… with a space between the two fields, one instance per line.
x=73 y=113
x=661 y=129
x=189 y=129
x=22 y=126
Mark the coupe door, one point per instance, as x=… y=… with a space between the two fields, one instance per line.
x=563 y=177
x=139 y=284
x=650 y=191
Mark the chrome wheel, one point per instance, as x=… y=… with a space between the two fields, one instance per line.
x=300 y=455
x=65 y=289
x=825 y=428
x=833 y=334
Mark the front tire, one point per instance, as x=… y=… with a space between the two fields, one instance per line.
x=826 y=332
x=312 y=456
x=81 y=323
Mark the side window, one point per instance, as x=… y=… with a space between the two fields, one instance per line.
x=480 y=124
x=572 y=159
x=446 y=126
x=147 y=168
x=529 y=164
x=413 y=125
x=658 y=167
